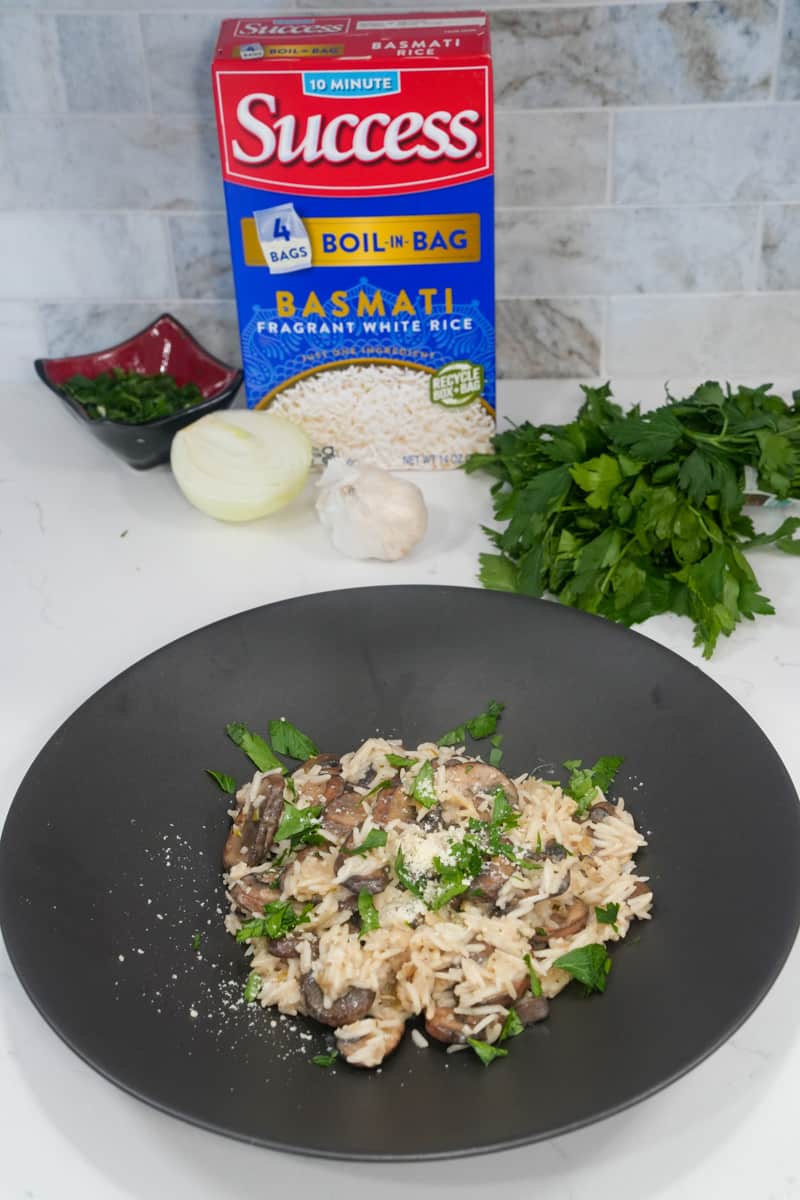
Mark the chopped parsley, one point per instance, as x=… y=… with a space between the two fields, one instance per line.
x=300 y=826
x=287 y=739
x=405 y=877
x=325 y=1060
x=375 y=838
x=486 y=1053
x=512 y=1026
x=255 y=747
x=455 y=882
x=536 y=983
x=584 y=782
x=424 y=791
x=252 y=987
x=380 y=787
x=589 y=965
x=608 y=916
x=196 y=940
x=368 y=912
x=496 y=754
x=279 y=919
x=226 y=783
x=397 y=760
x=484 y=725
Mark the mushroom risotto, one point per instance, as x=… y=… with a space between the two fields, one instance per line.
x=391 y=883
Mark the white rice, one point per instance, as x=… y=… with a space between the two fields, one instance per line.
x=466 y=958
x=382 y=414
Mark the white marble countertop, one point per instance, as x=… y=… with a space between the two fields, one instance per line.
x=80 y=601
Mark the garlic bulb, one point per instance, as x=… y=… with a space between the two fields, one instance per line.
x=370 y=513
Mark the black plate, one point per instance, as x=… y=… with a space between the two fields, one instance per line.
x=112 y=847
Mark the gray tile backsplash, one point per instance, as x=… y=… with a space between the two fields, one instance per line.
x=603 y=251
x=551 y=158
x=648 y=180
x=109 y=162
x=702 y=155
x=635 y=54
x=102 y=62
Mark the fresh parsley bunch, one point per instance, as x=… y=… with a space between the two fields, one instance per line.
x=633 y=514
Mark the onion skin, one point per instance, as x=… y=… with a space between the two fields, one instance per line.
x=240 y=465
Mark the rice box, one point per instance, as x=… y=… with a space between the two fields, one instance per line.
x=357 y=159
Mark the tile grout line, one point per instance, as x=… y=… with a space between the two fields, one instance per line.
x=167 y=227
x=612 y=132
x=779 y=31
x=148 y=91
x=571 y=209
x=500 y=109
x=604 y=337
x=554 y=297
x=758 y=260
x=327 y=10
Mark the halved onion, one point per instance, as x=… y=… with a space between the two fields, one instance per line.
x=237 y=466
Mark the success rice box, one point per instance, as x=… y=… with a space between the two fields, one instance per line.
x=357 y=159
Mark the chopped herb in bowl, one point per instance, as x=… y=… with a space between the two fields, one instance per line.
x=130 y=397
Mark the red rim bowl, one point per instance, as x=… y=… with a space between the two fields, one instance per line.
x=164 y=347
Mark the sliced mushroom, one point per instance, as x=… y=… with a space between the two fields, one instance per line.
x=564 y=922
x=252 y=892
x=539 y=941
x=496 y=872
x=374 y=883
x=563 y=885
x=640 y=889
x=287 y=947
x=478 y=782
x=446 y=1025
x=599 y=812
x=348 y=1008
x=320 y=791
x=532 y=1009
x=432 y=820
x=392 y=804
x=343 y=813
x=254 y=825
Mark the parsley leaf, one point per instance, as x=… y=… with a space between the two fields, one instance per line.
x=398 y=761
x=325 y=1060
x=486 y=1053
x=608 y=915
x=368 y=912
x=496 y=754
x=404 y=876
x=226 y=783
x=300 y=825
x=380 y=787
x=484 y=725
x=424 y=791
x=279 y=919
x=375 y=838
x=287 y=739
x=584 y=782
x=588 y=964
x=254 y=746
x=252 y=987
x=512 y=1026
x=536 y=983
